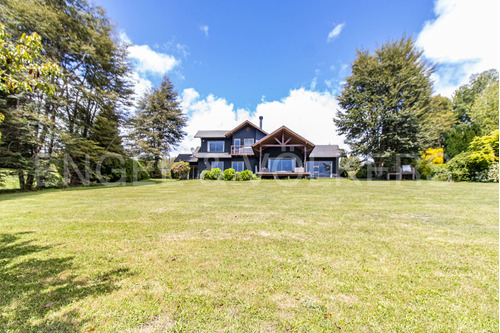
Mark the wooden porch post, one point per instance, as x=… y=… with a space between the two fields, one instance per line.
x=260 y=159
x=305 y=157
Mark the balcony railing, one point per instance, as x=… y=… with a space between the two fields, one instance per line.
x=241 y=150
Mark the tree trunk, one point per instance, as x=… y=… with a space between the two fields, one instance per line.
x=22 y=183
x=29 y=182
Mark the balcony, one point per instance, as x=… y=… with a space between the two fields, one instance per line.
x=241 y=150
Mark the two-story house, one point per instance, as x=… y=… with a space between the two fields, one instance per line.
x=282 y=153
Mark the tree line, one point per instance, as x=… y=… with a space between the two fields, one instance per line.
x=53 y=136
x=388 y=114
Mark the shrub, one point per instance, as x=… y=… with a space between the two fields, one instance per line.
x=206 y=175
x=216 y=174
x=440 y=172
x=424 y=168
x=237 y=176
x=247 y=175
x=228 y=174
x=434 y=156
x=489 y=175
x=458 y=167
x=181 y=170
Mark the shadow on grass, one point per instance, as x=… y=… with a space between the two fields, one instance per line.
x=32 y=289
x=9 y=194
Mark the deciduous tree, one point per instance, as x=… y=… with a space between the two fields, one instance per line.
x=383 y=99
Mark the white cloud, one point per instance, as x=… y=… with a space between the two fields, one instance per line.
x=204 y=28
x=335 y=32
x=309 y=113
x=146 y=62
x=463 y=39
x=149 y=61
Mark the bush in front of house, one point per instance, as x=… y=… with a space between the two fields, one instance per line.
x=228 y=174
x=216 y=174
x=237 y=176
x=206 y=175
x=247 y=175
x=180 y=170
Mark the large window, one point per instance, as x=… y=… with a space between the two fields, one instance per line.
x=218 y=164
x=281 y=164
x=238 y=166
x=215 y=146
x=319 y=169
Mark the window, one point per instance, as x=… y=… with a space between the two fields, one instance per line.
x=319 y=169
x=248 y=143
x=215 y=146
x=238 y=166
x=237 y=142
x=281 y=164
x=218 y=164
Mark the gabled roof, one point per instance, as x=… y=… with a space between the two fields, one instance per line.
x=243 y=124
x=210 y=134
x=283 y=136
x=325 y=151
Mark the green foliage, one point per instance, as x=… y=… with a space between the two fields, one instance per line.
x=237 y=176
x=158 y=124
x=228 y=174
x=82 y=116
x=20 y=68
x=181 y=170
x=247 y=175
x=351 y=163
x=483 y=152
x=216 y=174
x=383 y=99
x=206 y=175
x=484 y=111
x=465 y=96
x=135 y=170
x=440 y=172
x=459 y=138
x=437 y=122
x=458 y=167
x=488 y=175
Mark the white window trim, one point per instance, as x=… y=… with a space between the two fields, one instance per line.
x=212 y=165
x=232 y=165
x=223 y=146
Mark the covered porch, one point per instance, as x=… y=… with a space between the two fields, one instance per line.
x=283 y=154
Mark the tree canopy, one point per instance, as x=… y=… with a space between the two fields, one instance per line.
x=383 y=100
x=158 y=124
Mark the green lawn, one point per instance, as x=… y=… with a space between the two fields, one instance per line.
x=330 y=255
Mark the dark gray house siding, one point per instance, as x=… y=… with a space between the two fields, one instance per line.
x=282 y=145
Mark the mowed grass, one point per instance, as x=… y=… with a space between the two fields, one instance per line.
x=329 y=255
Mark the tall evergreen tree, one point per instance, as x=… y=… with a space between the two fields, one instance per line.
x=158 y=124
x=383 y=99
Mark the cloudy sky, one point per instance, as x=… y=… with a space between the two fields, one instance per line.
x=237 y=60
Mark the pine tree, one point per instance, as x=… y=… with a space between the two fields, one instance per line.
x=158 y=124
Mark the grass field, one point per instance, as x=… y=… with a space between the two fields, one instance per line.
x=329 y=255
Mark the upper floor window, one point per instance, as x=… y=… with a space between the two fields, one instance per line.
x=215 y=146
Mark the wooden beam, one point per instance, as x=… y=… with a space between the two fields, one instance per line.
x=260 y=159
x=283 y=145
x=278 y=141
x=290 y=138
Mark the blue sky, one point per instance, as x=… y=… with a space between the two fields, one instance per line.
x=287 y=59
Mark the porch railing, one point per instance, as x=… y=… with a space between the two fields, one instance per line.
x=241 y=150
